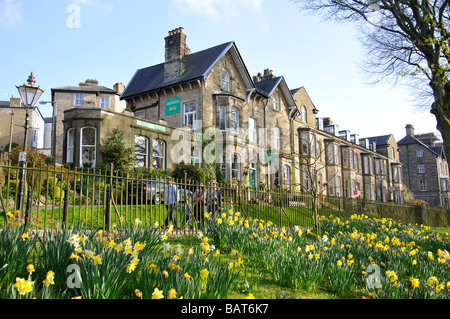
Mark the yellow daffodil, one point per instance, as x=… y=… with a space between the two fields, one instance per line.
x=30 y=269
x=23 y=286
x=204 y=274
x=165 y=273
x=250 y=296
x=138 y=293
x=97 y=260
x=76 y=257
x=157 y=294
x=172 y=294
x=187 y=276
x=49 y=279
x=25 y=236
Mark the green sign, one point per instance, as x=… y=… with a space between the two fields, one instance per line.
x=173 y=105
x=152 y=126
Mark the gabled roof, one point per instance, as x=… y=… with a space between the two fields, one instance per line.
x=408 y=139
x=198 y=66
x=380 y=140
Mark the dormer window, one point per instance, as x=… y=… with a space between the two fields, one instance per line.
x=225 y=80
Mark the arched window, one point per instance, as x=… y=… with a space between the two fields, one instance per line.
x=140 y=151
x=159 y=154
x=88 y=146
x=70 y=145
x=304 y=114
x=225 y=80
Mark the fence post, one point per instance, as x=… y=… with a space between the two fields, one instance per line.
x=107 y=207
x=65 y=207
x=28 y=207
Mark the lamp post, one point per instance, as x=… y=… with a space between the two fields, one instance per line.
x=55 y=107
x=29 y=94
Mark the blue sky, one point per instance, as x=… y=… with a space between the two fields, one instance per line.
x=110 y=39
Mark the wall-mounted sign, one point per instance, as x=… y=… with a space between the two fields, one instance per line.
x=173 y=105
x=151 y=126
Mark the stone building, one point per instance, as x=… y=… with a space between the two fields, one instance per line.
x=12 y=120
x=425 y=167
x=87 y=95
x=272 y=134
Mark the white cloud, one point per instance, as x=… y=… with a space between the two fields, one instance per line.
x=10 y=13
x=219 y=10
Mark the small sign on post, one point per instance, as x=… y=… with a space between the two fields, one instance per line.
x=22 y=157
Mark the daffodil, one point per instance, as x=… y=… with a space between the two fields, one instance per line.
x=157 y=294
x=23 y=286
x=138 y=293
x=49 y=279
x=172 y=294
x=30 y=269
x=204 y=273
x=250 y=296
x=97 y=260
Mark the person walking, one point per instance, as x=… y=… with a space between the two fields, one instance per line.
x=170 y=201
x=199 y=208
x=213 y=199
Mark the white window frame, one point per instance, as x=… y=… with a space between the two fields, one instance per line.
x=144 y=153
x=226 y=80
x=236 y=167
x=252 y=136
x=276 y=102
x=276 y=131
x=420 y=153
x=191 y=115
x=79 y=99
x=286 y=176
x=304 y=114
x=92 y=146
x=223 y=118
x=157 y=142
x=421 y=168
x=234 y=128
x=423 y=185
x=70 y=148
x=104 y=102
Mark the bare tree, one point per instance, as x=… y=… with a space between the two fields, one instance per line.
x=405 y=39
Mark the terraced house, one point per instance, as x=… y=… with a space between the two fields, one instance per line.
x=273 y=135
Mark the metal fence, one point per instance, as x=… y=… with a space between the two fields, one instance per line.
x=57 y=197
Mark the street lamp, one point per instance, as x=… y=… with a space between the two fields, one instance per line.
x=55 y=107
x=29 y=94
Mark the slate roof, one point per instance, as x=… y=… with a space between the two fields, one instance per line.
x=380 y=140
x=408 y=139
x=87 y=88
x=267 y=87
x=198 y=65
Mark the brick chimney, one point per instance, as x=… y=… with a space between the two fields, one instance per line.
x=15 y=102
x=410 y=130
x=176 y=51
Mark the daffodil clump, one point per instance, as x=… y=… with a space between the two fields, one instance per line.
x=356 y=256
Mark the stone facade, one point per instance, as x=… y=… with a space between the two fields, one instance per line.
x=425 y=167
x=36 y=130
x=87 y=94
x=261 y=116
x=86 y=128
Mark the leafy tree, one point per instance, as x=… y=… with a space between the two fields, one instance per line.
x=114 y=152
x=193 y=173
x=404 y=39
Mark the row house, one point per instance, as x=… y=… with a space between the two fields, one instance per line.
x=261 y=132
x=213 y=89
x=425 y=167
x=338 y=163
